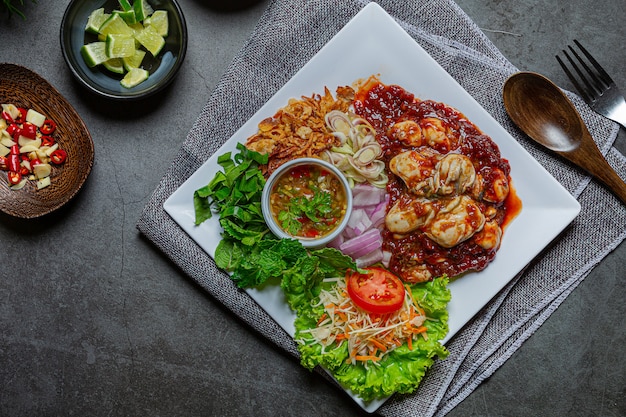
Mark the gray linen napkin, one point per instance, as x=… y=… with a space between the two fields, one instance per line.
x=280 y=45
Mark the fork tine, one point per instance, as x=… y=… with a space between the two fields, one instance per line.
x=592 y=90
x=603 y=74
x=580 y=88
x=596 y=85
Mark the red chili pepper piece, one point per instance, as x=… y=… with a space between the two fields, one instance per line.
x=47 y=140
x=24 y=170
x=14 y=178
x=6 y=116
x=14 y=159
x=4 y=163
x=28 y=130
x=34 y=161
x=12 y=128
x=14 y=163
x=48 y=127
x=300 y=172
x=58 y=156
x=21 y=117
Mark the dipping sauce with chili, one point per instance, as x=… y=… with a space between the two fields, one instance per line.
x=307 y=199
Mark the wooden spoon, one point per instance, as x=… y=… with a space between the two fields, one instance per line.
x=538 y=107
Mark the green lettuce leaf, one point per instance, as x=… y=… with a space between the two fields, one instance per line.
x=401 y=370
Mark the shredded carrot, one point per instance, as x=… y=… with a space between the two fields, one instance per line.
x=342 y=316
x=380 y=345
x=420 y=329
x=354 y=352
x=365 y=358
x=409 y=343
x=324 y=317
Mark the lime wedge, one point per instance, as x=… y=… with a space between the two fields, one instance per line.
x=136 y=27
x=125 y=5
x=119 y=46
x=133 y=61
x=95 y=20
x=134 y=77
x=114 y=24
x=150 y=39
x=115 y=65
x=128 y=16
x=142 y=9
x=159 y=21
x=94 y=53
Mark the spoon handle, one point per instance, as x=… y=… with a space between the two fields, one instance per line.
x=613 y=181
x=589 y=157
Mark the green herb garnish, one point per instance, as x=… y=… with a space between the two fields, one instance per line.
x=315 y=209
x=235 y=195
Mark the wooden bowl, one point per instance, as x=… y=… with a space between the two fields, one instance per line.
x=24 y=88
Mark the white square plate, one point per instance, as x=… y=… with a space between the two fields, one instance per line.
x=547 y=208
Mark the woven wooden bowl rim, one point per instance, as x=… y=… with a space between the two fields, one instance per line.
x=25 y=88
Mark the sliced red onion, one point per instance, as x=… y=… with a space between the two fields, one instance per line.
x=362 y=244
x=356 y=217
x=370 y=258
x=367 y=195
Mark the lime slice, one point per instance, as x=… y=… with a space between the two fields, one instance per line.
x=125 y=5
x=128 y=16
x=136 y=27
x=142 y=10
x=95 y=20
x=115 y=65
x=134 y=77
x=114 y=24
x=119 y=46
x=150 y=39
x=133 y=61
x=94 y=53
x=159 y=21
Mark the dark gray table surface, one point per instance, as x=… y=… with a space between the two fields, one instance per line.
x=95 y=321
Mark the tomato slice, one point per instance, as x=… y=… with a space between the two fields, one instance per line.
x=377 y=291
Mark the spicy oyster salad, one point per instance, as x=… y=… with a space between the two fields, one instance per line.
x=375 y=334
x=431 y=197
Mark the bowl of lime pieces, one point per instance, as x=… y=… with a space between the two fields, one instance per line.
x=124 y=49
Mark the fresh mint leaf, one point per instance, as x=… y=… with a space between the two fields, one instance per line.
x=269 y=258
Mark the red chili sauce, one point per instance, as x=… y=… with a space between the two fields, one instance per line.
x=383 y=106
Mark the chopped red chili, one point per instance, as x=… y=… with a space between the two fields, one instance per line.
x=4 y=163
x=48 y=127
x=47 y=140
x=14 y=177
x=58 y=156
x=28 y=130
x=21 y=117
x=14 y=159
x=12 y=128
x=6 y=116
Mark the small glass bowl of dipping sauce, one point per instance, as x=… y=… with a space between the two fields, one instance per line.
x=307 y=199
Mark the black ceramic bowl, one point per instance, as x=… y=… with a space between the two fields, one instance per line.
x=162 y=68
